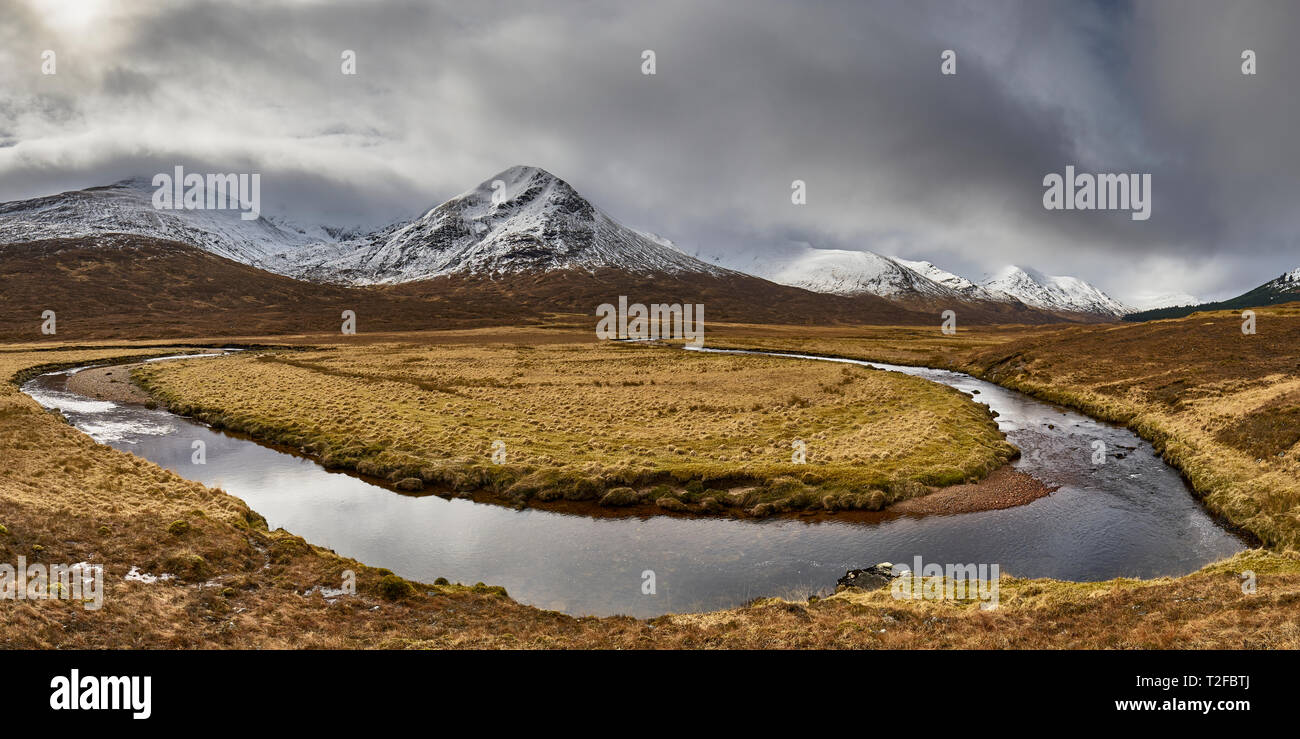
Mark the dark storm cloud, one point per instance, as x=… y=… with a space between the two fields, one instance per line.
x=846 y=96
x=119 y=81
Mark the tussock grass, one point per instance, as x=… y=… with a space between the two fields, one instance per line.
x=619 y=425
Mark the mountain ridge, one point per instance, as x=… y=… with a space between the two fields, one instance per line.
x=131 y=286
x=126 y=206
x=525 y=220
x=854 y=272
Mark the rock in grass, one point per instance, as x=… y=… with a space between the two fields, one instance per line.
x=870 y=578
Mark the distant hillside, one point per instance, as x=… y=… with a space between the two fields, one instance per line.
x=1284 y=289
x=128 y=286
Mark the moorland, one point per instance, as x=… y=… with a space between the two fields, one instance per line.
x=1216 y=403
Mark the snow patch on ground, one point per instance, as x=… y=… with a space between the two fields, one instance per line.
x=135 y=575
x=329 y=594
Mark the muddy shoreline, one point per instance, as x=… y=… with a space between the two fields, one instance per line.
x=112 y=383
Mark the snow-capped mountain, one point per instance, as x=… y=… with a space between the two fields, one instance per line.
x=845 y=272
x=1282 y=289
x=536 y=222
x=948 y=279
x=127 y=207
x=1152 y=301
x=523 y=220
x=1055 y=293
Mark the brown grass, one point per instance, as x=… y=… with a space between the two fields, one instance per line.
x=689 y=432
x=80 y=501
x=1219 y=405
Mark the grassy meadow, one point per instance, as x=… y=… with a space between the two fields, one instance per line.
x=623 y=426
x=1221 y=406
x=65 y=499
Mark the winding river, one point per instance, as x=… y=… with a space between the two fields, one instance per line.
x=1132 y=516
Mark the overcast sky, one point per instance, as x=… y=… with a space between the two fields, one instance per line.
x=748 y=96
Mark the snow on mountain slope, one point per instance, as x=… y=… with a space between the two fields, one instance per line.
x=1151 y=301
x=537 y=223
x=1050 y=292
x=844 y=272
x=127 y=207
x=1288 y=282
x=1282 y=289
x=948 y=279
x=540 y=223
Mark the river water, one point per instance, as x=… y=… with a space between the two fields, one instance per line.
x=1132 y=515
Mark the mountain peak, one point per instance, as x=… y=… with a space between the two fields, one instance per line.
x=134 y=182
x=521 y=173
x=1052 y=292
x=521 y=183
x=858 y=272
x=1017 y=272
x=522 y=219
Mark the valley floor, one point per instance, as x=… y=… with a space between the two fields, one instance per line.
x=1204 y=398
